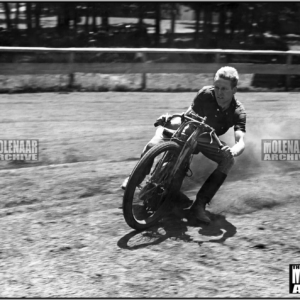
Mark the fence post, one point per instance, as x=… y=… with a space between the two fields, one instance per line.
x=71 y=75
x=218 y=58
x=288 y=77
x=144 y=74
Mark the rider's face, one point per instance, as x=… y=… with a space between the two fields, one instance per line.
x=224 y=92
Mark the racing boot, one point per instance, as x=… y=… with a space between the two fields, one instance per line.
x=206 y=193
x=199 y=210
x=124 y=184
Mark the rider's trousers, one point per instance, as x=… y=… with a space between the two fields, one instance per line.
x=206 y=146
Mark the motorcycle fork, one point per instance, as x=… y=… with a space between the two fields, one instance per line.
x=184 y=156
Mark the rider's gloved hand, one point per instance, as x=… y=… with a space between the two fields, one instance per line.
x=162 y=120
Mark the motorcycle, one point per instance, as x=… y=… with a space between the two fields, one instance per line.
x=158 y=176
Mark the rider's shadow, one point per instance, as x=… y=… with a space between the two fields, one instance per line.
x=216 y=227
x=175 y=227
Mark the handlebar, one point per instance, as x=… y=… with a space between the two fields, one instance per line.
x=194 y=118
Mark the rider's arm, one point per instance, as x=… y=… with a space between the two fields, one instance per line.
x=239 y=146
x=239 y=131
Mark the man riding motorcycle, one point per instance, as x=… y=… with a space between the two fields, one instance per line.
x=219 y=105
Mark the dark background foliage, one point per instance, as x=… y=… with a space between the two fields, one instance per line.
x=233 y=25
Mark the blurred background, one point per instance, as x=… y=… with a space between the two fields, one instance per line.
x=185 y=25
x=231 y=25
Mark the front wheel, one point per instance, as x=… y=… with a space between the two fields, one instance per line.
x=148 y=191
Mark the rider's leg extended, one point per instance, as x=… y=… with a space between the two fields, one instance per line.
x=215 y=179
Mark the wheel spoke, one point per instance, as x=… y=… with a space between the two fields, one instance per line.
x=151 y=194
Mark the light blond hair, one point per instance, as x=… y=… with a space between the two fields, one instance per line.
x=228 y=73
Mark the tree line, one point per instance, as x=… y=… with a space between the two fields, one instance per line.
x=234 y=19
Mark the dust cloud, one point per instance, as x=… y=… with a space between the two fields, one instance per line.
x=252 y=184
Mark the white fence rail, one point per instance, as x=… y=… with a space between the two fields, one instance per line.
x=145 y=67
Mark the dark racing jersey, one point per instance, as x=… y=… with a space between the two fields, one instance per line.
x=206 y=105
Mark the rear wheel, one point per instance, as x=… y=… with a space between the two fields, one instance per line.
x=149 y=189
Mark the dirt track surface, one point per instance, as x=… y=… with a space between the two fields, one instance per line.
x=62 y=229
